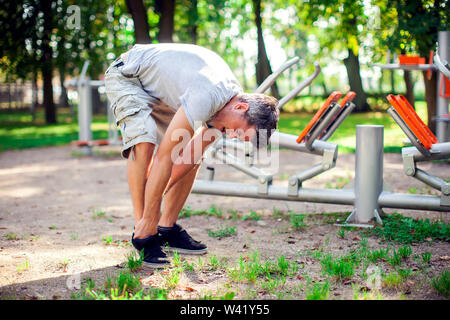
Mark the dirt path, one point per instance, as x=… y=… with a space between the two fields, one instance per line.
x=63 y=215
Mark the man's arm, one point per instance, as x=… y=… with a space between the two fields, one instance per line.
x=191 y=155
x=161 y=169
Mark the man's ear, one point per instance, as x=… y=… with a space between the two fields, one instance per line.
x=241 y=106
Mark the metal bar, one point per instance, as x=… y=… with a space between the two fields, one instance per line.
x=294 y=92
x=224 y=188
x=428 y=179
x=412 y=202
x=241 y=166
x=338 y=197
x=395 y=66
x=341 y=117
x=322 y=125
x=309 y=173
x=288 y=141
x=442 y=130
x=439 y=151
x=269 y=81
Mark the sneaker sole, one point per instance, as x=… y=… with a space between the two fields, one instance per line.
x=149 y=265
x=185 y=251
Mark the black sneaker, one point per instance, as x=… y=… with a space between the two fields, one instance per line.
x=154 y=257
x=176 y=238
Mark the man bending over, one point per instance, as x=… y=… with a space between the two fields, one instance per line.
x=160 y=93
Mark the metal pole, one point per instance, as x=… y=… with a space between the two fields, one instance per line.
x=84 y=112
x=442 y=131
x=368 y=174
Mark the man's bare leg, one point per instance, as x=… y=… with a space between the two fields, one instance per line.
x=176 y=197
x=137 y=172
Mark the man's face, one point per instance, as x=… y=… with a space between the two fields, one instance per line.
x=239 y=128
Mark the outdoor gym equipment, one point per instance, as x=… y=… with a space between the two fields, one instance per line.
x=83 y=85
x=439 y=63
x=368 y=196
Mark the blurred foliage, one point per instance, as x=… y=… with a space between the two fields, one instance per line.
x=310 y=29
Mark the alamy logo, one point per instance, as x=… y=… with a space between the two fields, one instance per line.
x=74 y=17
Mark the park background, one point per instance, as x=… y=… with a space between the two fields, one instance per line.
x=45 y=43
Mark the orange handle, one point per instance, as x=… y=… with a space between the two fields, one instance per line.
x=410 y=122
x=415 y=116
x=334 y=97
x=348 y=98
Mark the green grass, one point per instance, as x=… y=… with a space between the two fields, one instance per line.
x=408 y=230
x=318 y=291
x=441 y=283
x=19 y=131
x=12 y=236
x=297 y=221
x=124 y=286
x=222 y=231
x=341 y=268
x=252 y=216
x=135 y=261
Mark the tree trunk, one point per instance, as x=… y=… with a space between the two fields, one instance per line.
x=391 y=75
x=431 y=98
x=166 y=10
x=409 y=87
x=263 y=69
x=63 y=99
x=354 y=78
x=193 y=21
x=46 y=62
x=140 y=19
x=34 y=95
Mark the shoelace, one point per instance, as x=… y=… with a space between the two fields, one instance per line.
x=185 y=236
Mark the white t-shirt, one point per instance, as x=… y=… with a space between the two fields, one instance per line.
x=183 y=75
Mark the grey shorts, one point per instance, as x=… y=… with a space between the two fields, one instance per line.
x=140 y=116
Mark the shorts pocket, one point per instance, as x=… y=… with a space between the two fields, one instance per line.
x=132 y=125
x=121 y=113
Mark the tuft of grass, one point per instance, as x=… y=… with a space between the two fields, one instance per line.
x=426 y=257
x=341 y=233
x=297 y=221
x=23 y=266
x=134 y=261
x=392 y=280
x=12 y=236
x=441 y=283
x=408 y=230
x=98 y=214
x=222 y=231
x=341 y=268
x=376 y=255
x=252 y=216
x=405 y=252
x=318 y=291
x=127 y=282
x=395 y=259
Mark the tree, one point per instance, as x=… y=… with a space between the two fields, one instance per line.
x=166 y=11
x=263 y=68
x=344 y=24
x=140 y=19
x=418 y=24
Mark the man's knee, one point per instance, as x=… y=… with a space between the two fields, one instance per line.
x=143 y=149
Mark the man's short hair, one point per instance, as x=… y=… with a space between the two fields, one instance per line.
x=263 y=113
